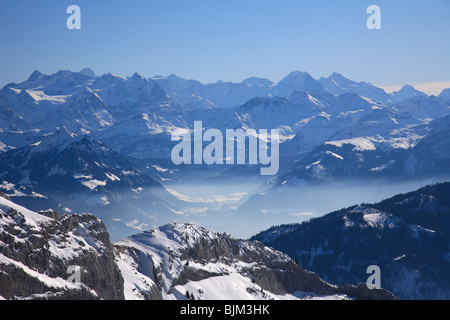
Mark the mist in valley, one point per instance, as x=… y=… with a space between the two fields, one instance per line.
x=242 y=208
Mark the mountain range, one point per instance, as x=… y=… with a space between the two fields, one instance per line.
x=40 y=251
x=97 y=149
x=85 y=175
x=332 y=129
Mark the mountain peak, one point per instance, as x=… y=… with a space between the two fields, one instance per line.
x=335 y=75
x=88 y=72
x=110 y=77
x=25 y=97
x=137 y=77
x=407 y=88
x=445 y=94
x=60 y=137
x=63 y=132
x=297 y=74
x=407 y=92
x=35 y=76
x=255 y=81
x=299 y=80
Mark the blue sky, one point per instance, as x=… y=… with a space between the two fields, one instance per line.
x=229 y=40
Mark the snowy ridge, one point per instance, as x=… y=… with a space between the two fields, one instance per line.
x=189 y=262
x=36 y=250
x=176 y=261
x=29 y=219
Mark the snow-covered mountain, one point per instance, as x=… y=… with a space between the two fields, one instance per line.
x=185 y=261
x=37 y=250
x=419 y=151
x=342 y=170
x=83 y=102
x=29 y=198
x=40 y=252
x=332 y=128
x=84 y=174
x=445 y=94
x=11 y=125
x=230 y=95
x=137 y=115
x=407 y=236
x=405 y=93
x=144 y=135
x=10 y=121
x=219 y=94
x=296 y=81
x=337 y=84
x=63 y=154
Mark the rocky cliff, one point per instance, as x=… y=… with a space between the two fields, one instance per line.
x=185 y=259
x=37 y=251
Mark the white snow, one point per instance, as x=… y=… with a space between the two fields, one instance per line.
x=33 y=219
x=57 y=283
x=112 y=177
x=334 y=155
x=161 y=248
x=93 y=184
x=361 y=143
x=135 y=282
x=40 y=96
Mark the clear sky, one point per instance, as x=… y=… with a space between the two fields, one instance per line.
x=229 y=40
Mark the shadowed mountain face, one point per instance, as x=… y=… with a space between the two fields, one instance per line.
x=407 y=236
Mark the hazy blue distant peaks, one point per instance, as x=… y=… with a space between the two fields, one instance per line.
x=445 y=94
x=407 y=92
x=36 y=75
x=88 y=72
x=298 y=80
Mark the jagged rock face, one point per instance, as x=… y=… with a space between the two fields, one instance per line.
x=177 y=258
x=37 y=249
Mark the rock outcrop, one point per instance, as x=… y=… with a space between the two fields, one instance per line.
x=37 y=251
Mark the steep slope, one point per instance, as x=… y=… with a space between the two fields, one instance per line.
x=83 y=174
x=29 y=198
x=231 y=95
x=47 y=255
x=423 y=108
x=431 y=156
x=445 y=94
x=11 y=125
x=337 y=84
x=64 y=155
x=405 y=93
x=144 y=136
x=311 y=118
x=10 y=121
x=38 y=249
x=83 y=102
x=414 y=151
x=184 y=259
x=297 y=81
x=407 y=236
